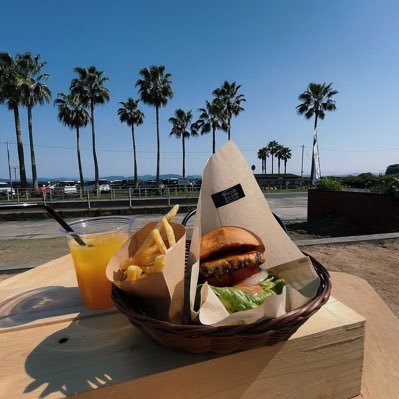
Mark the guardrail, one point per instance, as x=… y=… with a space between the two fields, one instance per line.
x=130 y=193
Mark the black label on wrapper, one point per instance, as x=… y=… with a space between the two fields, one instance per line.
x=228 y=196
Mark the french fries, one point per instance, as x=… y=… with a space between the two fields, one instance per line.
x=150 y=257
x=133 y=272
x=169 y=217
x=156 y=236
x=169 y=232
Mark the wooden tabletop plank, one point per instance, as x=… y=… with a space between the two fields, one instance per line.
x=22 y=305
x=46 y=294
x=56 y=272
x=381 y=362
x=63 y=359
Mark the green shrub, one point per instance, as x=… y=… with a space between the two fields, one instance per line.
x=388 y=185
x=392 y=169
x=391 y=188
x=364 y=180
x=329 y=184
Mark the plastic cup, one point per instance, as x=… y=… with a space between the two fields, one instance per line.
x=103 y=237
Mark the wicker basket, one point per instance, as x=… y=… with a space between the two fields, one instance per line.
x=226 y=339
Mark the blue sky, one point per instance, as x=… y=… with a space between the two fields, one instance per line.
x=272 y=48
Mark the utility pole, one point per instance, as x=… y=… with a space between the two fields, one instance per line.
x=9 y=167
x=303 y=148
x=15 y=172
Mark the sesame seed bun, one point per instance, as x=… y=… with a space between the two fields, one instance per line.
x=228 y=237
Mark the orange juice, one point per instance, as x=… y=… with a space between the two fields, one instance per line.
x=90 y=263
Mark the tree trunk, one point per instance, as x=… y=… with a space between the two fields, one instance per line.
x=265 y=165
x=313 y=141
x=272 y=164
x=79 y=160
x=93 y=138
x=134 y=158
x=213 y=140
x=285 y=166
x=158 y=143
x=184 y=156
x=32 y=149
x=20 y=148
x=278 y=164
x=229 y=129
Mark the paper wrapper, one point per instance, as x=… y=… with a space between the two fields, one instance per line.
x=230 y=196
x=162 y=292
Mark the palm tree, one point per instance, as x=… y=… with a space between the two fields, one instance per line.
x=277 y=154
x=181 y=129
x=11 y=95
x=228 y=93
x=89 y=89
x=263 y=153
x=3 y=78
x=272 y=147
x=72 y=114
x=261 y=156
x=34 y=92
x=132 y=116
x=212 y=118
x=285 y=155
x=315 y=101
x=155 y=88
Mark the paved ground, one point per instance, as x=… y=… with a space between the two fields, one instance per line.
x=289 y=207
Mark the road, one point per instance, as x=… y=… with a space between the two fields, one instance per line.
x=288 y=206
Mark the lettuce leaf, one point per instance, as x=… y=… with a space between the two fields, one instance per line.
x=240 y=298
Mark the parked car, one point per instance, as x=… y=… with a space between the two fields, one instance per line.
x=153 y=184
x=5 y=188
x=127 y=184
x=44 y=187
x=173 y=182
x=116 y=183
x=183 y=182
x=63 y=187
x=90 y=186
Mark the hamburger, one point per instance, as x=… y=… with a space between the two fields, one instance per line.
x=228 y=255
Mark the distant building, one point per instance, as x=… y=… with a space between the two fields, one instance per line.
x=281 y=181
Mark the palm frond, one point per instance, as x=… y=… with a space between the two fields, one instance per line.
x=70 y=111
x=227 y=93
x=88 y=86
x=309 y=113
x=154 y=86
x=181 y=124
x=316 y=99
x=129 y=113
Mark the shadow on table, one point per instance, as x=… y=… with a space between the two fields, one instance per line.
x=96 y=352
x=38 y=304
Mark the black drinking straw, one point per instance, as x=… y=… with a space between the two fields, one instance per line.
x=63 y=224
x=52 y=213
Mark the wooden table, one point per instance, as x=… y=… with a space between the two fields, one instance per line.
x=41 y=316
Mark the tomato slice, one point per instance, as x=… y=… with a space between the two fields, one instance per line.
x=232 y=278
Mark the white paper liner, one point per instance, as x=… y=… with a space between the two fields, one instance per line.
x=228 y=177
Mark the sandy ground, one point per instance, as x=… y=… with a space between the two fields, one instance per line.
x=23 y=251
x=377 y=263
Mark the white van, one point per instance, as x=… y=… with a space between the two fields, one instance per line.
x=90 y=186
x=64 y=187
x=5 y=188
